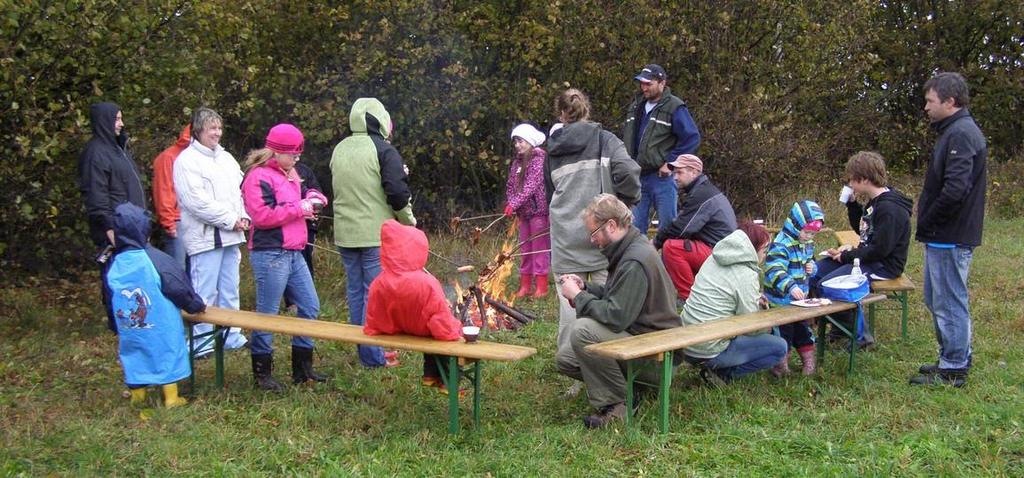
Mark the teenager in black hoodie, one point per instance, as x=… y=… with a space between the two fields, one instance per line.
x=883 y=223
x=107 y=177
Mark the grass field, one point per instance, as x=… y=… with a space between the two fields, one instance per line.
x=63 y=413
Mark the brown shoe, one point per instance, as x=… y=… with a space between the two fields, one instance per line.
x=606 y=415
x=782 y=368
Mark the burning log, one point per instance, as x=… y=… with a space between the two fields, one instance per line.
x=464 y=310
x=483 y=303
x=519 y=316
x=480 y=306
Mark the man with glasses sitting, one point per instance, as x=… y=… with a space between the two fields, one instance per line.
x=636 y=299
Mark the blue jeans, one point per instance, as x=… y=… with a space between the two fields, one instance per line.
x=747 y=354
x=661 y=193
x=282 y=273
x=945 y=295
x=175 y=247
x=362 y=265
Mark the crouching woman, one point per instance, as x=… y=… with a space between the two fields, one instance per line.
x=729 y=284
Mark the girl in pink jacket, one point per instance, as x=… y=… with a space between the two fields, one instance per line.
x=527 y=199
x=273 y=198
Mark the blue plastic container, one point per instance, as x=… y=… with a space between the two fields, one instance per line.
x=849 y=288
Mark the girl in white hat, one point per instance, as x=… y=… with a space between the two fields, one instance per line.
x=527 y=200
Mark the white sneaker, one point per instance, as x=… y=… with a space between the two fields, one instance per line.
x=235 y=340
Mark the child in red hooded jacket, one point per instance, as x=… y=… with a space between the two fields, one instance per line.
x=406 y=299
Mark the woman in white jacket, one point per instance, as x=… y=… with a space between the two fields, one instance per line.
x=207 y=180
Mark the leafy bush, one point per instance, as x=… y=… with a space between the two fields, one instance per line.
x=783 y=91
x=1006 y=188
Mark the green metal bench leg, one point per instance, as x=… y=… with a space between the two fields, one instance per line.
x=663 y=392
x=902 y=296
x=852 y=335
x=476 y=394
x=453 y=395
x=218 y=346
x=218 y=356
x=871 y=318
x=853 y=338
x=191 y=358
x=822 y=342
x=630 y=378
x=853 y=352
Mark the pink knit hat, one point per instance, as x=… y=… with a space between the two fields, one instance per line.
x=285 y=139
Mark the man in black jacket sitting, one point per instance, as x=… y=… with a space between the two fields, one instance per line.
x=705 y=217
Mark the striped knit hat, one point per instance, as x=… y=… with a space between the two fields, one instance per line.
x=801 y=215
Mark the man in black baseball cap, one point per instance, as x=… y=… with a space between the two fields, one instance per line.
x=651 y=73
x=658 y=129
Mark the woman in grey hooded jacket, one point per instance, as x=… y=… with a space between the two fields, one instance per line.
x=584 y=160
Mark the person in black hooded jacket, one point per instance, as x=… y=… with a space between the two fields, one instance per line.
x=107 y=177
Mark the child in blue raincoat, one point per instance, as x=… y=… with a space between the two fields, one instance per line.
x=788 y=268
x=148 y=289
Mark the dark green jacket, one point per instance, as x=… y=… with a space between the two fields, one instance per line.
x=638 y=296
x=658 y=138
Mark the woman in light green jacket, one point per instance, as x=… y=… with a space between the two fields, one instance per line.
x=728 y=284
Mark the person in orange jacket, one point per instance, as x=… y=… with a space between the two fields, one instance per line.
x=165 y=200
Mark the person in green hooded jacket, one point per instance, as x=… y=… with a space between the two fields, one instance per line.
x=729 y=284
x=370 y=186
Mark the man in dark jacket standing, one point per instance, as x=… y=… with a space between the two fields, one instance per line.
x=951 y=211
x=658 y=129
x=636 y=299
x=107 y=177
x=705 y=218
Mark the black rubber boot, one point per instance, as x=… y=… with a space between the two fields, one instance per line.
x=302 y=366
x=262 y=366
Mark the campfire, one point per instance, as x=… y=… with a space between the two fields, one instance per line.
x=487 y=303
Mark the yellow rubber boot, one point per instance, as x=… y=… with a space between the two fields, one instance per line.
x=138 y=395
x=171 y=398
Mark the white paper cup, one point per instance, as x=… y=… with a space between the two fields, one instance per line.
x=844 y=196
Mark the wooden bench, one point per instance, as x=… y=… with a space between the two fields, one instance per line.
x=659 y=346
x=458 y=353
x=894 y=288
x=847 y=238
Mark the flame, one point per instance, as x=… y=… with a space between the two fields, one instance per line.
x=495 y=285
